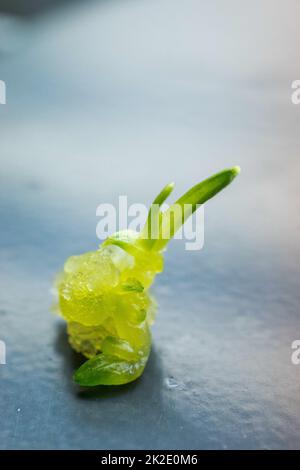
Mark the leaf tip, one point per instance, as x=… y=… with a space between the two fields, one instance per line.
x=236 y=170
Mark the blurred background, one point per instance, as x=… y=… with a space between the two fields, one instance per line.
x=112 y=97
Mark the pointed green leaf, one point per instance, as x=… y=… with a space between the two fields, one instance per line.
x=173 y=219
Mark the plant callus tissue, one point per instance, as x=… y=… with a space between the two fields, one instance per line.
x=104 y=294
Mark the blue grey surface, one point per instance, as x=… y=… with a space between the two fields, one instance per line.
x=115 y=98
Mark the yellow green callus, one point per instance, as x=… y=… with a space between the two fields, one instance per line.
x=104 y=294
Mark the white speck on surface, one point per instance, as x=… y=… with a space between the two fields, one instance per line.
x=173 y=383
